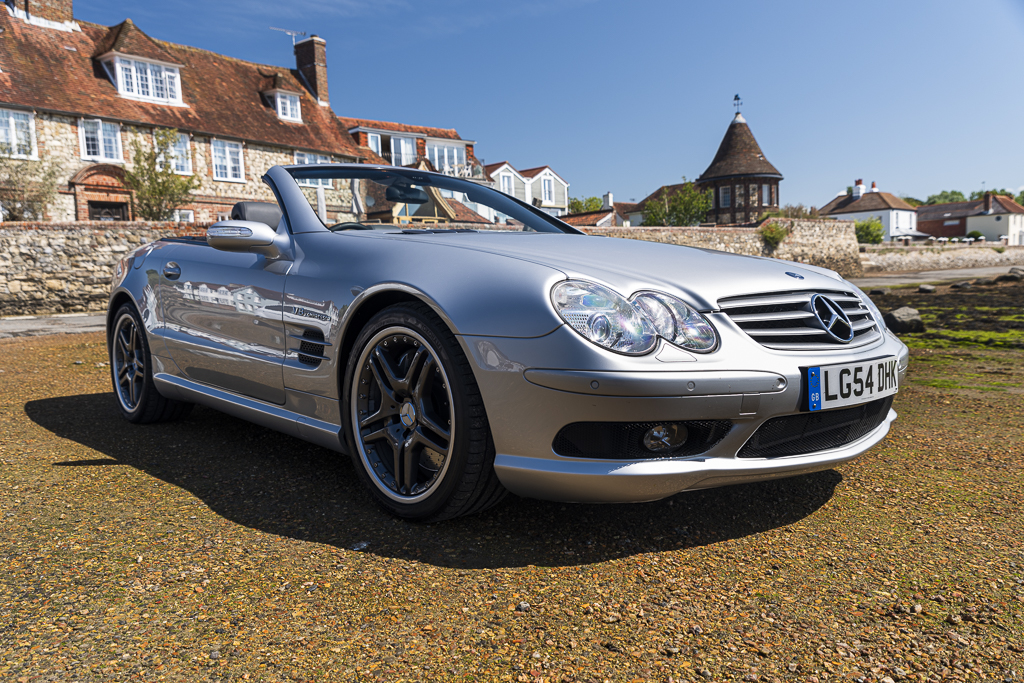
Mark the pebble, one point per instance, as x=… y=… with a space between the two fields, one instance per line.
x=984 y=281
x=523 y=607
x=361 y=545
x=214 y=654
x=961 y=285
x=878 y=292
x=926 y=289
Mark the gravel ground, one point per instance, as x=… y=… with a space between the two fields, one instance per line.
x=213 y=549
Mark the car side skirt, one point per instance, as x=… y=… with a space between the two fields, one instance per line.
x=319 y=432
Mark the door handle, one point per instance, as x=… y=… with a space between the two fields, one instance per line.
x=172 y=271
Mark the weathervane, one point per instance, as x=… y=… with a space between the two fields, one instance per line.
x=291 y=33
x=737 y=102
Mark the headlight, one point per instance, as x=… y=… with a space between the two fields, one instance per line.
x=603 y=317
x=633 y=327
x=677 y=322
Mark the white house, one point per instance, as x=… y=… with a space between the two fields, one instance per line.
x=898 y=218
x=539 y=186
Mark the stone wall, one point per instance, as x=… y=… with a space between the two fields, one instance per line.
x=826 y=243
x=65 y=268
x=902 y=259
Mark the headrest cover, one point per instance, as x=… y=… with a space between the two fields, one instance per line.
x=261 y=212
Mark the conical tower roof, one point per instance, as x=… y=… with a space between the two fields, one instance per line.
x=739 y=155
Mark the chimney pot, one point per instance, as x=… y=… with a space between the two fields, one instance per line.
x=311 y=62
x=858 y=189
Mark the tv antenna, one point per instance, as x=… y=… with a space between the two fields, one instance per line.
x=291 y=33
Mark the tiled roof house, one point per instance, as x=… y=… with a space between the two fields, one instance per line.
x=402 y=144
x=539 y=186
x=992 y=215
x=80 y=94
x=897 y=217
x=611 y=214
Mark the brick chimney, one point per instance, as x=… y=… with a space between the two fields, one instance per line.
x=311 y=61
x=874 y=187
x=988 y=202
x=51 y=10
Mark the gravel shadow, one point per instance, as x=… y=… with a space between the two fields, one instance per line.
x=264 y=480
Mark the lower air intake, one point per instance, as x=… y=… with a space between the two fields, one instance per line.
x=625 y=440
x=812 y=432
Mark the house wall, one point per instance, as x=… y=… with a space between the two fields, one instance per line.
x=906 y=220
x=952 y=227
x=993 y=226
x=57 y=140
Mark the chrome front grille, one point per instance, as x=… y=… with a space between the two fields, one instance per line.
x=786 y=321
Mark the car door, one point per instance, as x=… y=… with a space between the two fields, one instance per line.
x=223 y=319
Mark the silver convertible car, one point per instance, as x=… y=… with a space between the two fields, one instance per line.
x=458 y=344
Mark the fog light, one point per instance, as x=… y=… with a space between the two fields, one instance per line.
x=663 y=438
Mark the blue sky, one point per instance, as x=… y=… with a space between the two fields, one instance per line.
x=628 y=96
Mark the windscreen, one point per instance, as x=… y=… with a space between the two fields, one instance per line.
x=364 y=197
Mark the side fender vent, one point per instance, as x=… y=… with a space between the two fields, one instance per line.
x=311 y=348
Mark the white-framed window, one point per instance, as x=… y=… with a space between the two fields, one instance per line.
x=403 y=151
x=17 y=134
x=547 y=189
x=506 y=183
x=146 y=81
x=445 y=157
x=373 y=140
x=100 y=140
x=181 y=155
x=766 y=195
x=725 y=197
x=184 y=216
x=307 y=158
x=227 y=161
x=288 y=107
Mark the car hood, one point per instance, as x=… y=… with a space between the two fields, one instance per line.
x=700 y=276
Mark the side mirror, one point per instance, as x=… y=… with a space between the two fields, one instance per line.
x=246 y=237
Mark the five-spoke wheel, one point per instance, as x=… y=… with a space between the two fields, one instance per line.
x=404 y=408
x=416 y=424
x=132 y=373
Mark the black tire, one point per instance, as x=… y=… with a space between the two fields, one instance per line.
x=131 y=372
x=396 y=425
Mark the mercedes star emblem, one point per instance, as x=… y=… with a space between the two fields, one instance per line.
x=832 y=318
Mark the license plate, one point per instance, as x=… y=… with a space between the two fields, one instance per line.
x=834 y=386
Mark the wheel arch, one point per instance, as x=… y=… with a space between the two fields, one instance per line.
x=120 y=298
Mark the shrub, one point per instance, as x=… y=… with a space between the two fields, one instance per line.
x=975 y=234
x=999 y=250
x=772 y=234
x=869 y=231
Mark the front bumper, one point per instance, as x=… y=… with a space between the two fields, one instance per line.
x=528 y=403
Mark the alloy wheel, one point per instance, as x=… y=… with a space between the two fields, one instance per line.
x=402 y=406
x=129 y=360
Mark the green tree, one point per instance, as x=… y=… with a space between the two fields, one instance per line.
x=684 y=206
x=911 y=200
x=869 y=231
x=980 y=194
x=157 y=189
x=27 y=187
x=585 y=204
x=792 y=211
x=1019 y=198
x=946 y=197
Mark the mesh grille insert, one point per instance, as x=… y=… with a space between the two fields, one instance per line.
x=311 y=347
x=812 y=432
x=624 y=440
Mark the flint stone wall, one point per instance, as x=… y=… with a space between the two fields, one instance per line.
x=826 y=243
x=66 y=267
x=901 y=259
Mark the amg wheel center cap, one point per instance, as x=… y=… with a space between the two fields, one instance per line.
x=408 y=414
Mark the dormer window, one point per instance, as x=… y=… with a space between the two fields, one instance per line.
x=146 y=81
x=288 y=107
